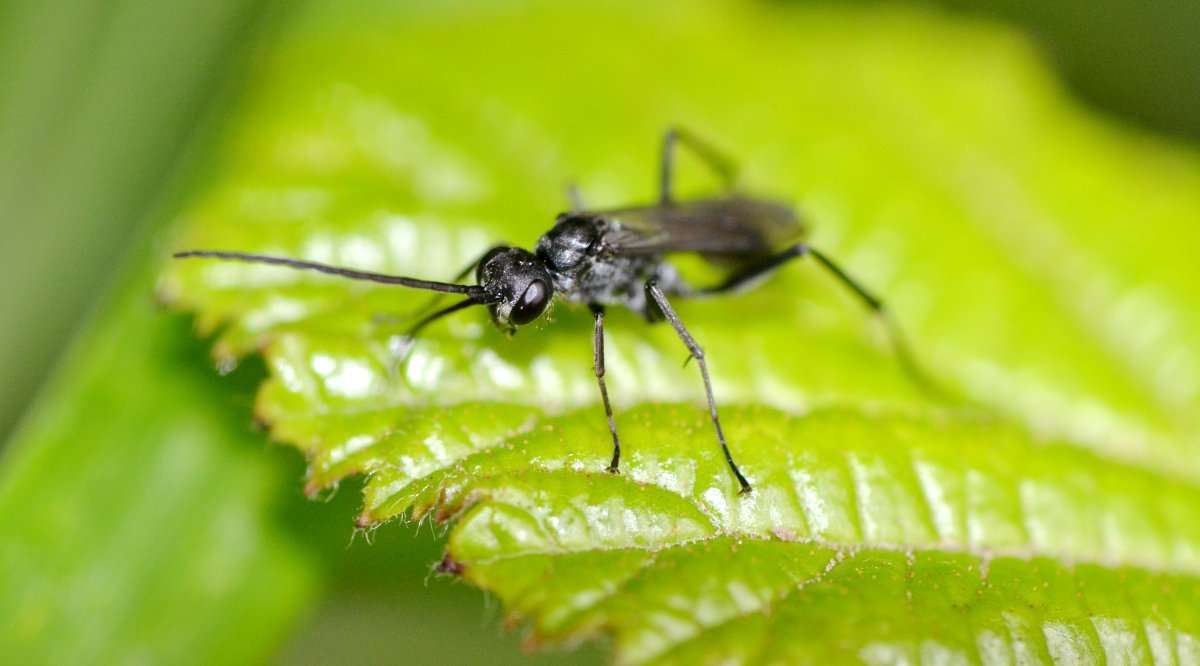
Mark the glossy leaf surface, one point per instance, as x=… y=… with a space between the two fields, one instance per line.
x=1019 y=240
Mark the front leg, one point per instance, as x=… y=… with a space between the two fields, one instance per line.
x=437 y=299
x=598 y=366
x=697 y=353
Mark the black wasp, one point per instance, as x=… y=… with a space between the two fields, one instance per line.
x=618 y=257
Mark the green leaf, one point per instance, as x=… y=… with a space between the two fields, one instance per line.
x=1041 y=259
x=138 y=513
x=867 y=533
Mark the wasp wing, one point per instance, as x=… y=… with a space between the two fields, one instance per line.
x=722 y=229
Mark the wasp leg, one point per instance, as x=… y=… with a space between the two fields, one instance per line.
x=598 y=366
x=714 y=158
x=437 y=299
x=900 y=347
x=697 y=353
x=755 y=271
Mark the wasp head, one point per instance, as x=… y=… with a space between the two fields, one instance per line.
x=518 y=285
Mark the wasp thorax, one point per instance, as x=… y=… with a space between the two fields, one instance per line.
x=518 y=283
x=566 y=245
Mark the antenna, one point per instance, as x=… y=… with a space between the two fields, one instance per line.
x=475 y=292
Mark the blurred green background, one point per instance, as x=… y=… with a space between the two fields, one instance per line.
x=106 y=109
x=102 y=104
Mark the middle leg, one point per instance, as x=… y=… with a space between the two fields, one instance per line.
x=697 y=353
x=598 y=366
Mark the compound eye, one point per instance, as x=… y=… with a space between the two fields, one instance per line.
x=531 y=304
